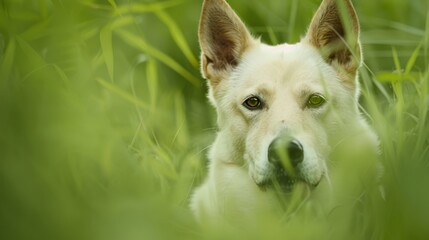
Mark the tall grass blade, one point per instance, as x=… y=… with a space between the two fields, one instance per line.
x=292 y=20
x=182 y=135
x=114 y=5
x=272 y=36
x=396 y=61
x=400 y=101
x=178 y=37
x=121 y=93
x=106 y=42
x=107 y=49
x=7 y=61
x=43 y=8
x=147 y=7
x=423 y=104
x=426 y=40
x=32 y=55
x=37 y=31
x=62 y=74
x=152 y=82
x=139 y=43
x=412 y=60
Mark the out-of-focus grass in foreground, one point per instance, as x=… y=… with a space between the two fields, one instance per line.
x=104 y=124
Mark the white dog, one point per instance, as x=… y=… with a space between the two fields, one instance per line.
x=282 y=110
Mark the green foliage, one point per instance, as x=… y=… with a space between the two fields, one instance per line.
x=104 y=124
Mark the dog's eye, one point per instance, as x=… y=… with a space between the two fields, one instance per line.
x=315 y=101
x=253 y=103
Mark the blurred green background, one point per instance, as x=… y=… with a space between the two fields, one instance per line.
x=104 y=124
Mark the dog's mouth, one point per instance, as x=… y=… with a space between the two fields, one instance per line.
x=284 y=182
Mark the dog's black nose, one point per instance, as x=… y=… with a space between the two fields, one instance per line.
x=296 y=153
x=282 y=149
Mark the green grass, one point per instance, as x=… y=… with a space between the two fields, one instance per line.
x=104 y=124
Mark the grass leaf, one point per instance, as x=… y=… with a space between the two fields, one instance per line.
x=146 y=7
x=182 y=135
x=396 y=60
x=272 y=36
x=426 y=40
x=31 y=54
x=106 y=42
x=107 y=49
x=292 y=20
x=393 y=77
x=178 y=37
x=152 y=81
x=139 y=43
x=7 y=60
x=121 y=93
x=412 y=59
x=113 y=3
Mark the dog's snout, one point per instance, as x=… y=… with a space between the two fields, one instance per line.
x=282 y=150
x=285 y=155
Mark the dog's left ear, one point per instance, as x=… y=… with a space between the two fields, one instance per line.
x=334 y=30
x=223 y=39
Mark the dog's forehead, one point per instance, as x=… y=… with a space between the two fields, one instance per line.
x=285 y=47
x=280 y=64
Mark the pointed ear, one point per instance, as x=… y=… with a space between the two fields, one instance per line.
x=223 y=39
x=334 y=30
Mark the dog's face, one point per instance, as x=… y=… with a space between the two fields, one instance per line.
x=282 y=107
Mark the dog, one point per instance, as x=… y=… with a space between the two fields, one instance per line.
x=283 y=111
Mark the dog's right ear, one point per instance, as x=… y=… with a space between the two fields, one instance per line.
x=334 y=30
x=223 y=39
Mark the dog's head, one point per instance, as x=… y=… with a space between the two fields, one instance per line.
x=282 y=107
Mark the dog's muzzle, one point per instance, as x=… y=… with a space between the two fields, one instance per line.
x=285 y=156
